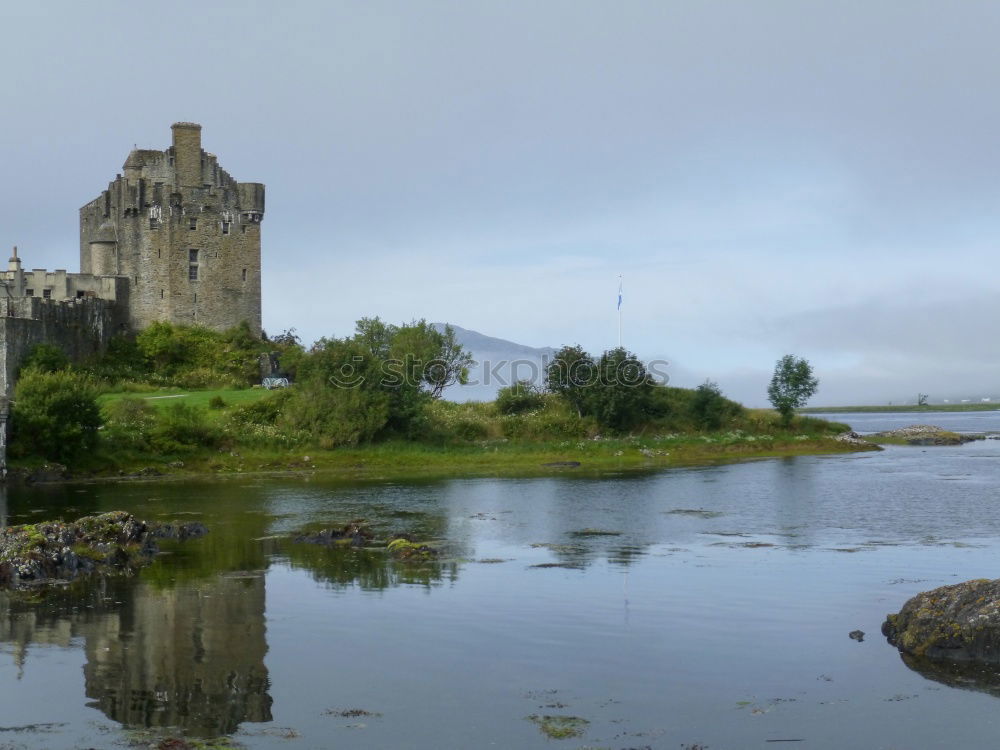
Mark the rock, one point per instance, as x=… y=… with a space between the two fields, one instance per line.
x=960 y=622
x=925 y=434
x=48 y=473
x=851 y=437
x=857 y=635
x=563 y=464
x=44 y=553
x=356 y=533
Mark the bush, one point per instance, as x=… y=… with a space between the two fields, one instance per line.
x=266 y=411
x=55 y=415
x=128 y=424
x=710 y=410
x=46 y=358
x=518 y=398
x=336 y=416
x=216 y=402
x=183 y=428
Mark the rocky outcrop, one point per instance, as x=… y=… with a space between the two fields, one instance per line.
x=355 y=533
x=54 y=552
x=959 y=622
x=924 y=434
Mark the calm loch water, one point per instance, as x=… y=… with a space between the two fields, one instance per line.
x=715 y=612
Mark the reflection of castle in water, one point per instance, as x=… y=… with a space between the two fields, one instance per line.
x=189 y=657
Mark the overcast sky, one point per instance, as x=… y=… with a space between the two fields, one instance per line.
x=816 y=178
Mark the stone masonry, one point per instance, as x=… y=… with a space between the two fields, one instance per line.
x=174 y=238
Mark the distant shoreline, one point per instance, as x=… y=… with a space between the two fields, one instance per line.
x=991 y=406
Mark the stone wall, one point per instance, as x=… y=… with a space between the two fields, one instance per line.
x=81 y=328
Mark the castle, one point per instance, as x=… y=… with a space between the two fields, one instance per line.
x=173 y=238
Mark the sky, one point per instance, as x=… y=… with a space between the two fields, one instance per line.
x=770 y=177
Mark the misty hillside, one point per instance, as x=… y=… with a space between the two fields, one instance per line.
x=499 y=362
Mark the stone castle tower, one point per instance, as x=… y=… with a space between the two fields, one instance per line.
x=184 y=234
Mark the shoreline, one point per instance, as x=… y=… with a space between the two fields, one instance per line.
x=380 y=463
x=903 y=409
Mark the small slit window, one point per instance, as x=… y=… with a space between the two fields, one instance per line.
x=225 y=227
x=244 y=274
x=161 y=294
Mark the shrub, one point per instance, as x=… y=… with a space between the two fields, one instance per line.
x=128 y=423
x=710 y=410
x=336 y=416
x=55 y=415
x=46 y=358
x=266 y=411
x=216 y=402
x=518 y=398
x=183 y=428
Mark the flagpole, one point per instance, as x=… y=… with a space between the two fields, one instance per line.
x=619 y=311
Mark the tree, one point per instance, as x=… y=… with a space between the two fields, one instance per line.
x=451 y=365
x=622 y=395
x=616 y=390
x=570 y=374
x=791 y=386
x=54 y=416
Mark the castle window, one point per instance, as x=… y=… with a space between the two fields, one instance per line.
x=225 y=227
x=161 y=294
x=192 y=223
x=79 y=294
x=47 y=293
x=196 y=298
x=244 y=274
x=192 y=256
x=158 y=253
x=29 y=292
x=193 y=272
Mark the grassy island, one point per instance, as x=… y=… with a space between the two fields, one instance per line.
x=178 y=401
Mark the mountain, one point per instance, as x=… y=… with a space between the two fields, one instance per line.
x=499 y=363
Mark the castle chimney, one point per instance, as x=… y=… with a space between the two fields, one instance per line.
x=14 y=264
x=187 y=153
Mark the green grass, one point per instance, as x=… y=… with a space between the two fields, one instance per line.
x=992 y=406
x=166 y=397
x=411 y=460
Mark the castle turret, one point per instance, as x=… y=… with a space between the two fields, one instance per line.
x=187 y=153
x=104 y=251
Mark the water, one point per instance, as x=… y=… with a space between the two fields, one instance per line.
x=726 y=627
x=956 y=421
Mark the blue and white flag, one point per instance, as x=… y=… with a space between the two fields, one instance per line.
x=619 y=293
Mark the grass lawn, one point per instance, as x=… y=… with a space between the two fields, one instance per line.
x=164 y=398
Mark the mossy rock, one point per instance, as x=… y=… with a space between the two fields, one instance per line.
x=42 y=553
x=960 y=622
x=559 y=727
